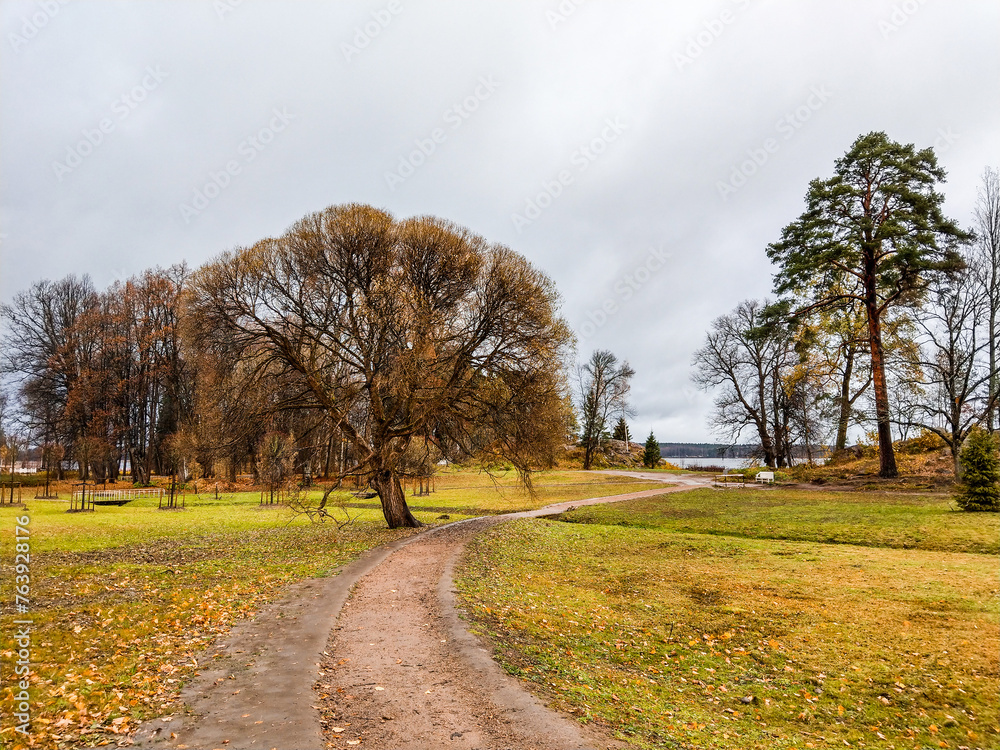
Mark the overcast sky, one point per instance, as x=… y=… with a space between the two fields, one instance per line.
x=641 y=153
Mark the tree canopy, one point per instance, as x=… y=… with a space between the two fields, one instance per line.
x=402 y=334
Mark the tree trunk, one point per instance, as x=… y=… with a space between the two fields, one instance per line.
x=887 y=458
x=766 y=446
x=397 y=513
x=326 y=463
x=993 y=415
x=844 y=420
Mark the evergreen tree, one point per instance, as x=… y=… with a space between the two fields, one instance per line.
x=873 y=235
x=651 y=455
x=621 y=431
x=980 y=489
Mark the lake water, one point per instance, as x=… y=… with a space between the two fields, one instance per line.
x=729 y=463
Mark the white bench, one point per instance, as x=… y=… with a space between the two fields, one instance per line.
x=765 y=477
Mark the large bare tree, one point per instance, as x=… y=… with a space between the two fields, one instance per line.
x=604 y=385
x=398 y=332
x=746 y=358
x=952 y=384
x=40 y=350
x=985 y=263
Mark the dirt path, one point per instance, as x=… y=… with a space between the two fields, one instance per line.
x=399 y=670
x=688 y=480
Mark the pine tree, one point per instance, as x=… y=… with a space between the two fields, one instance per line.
x=651 y=455
x=874 y=234
x=980 y=490
x=621 y=431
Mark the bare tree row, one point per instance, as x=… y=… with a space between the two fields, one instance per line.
x=352 y=345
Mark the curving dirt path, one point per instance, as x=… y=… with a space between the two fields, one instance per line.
x=381 y=651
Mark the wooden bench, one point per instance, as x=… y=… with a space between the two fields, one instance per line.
x=727 y=479
x=765 y=477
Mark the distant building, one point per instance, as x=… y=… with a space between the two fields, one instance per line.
x=27 y=467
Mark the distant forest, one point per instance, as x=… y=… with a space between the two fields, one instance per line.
x=706 y=450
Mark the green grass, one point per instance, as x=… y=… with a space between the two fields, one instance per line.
x=123 y=599
x=659 y=633
x=876 y=519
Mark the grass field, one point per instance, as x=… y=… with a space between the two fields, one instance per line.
x=123 y=599
x=700 y=620
x=871 y=519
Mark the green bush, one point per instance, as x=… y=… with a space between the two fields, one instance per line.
x=980 y=488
